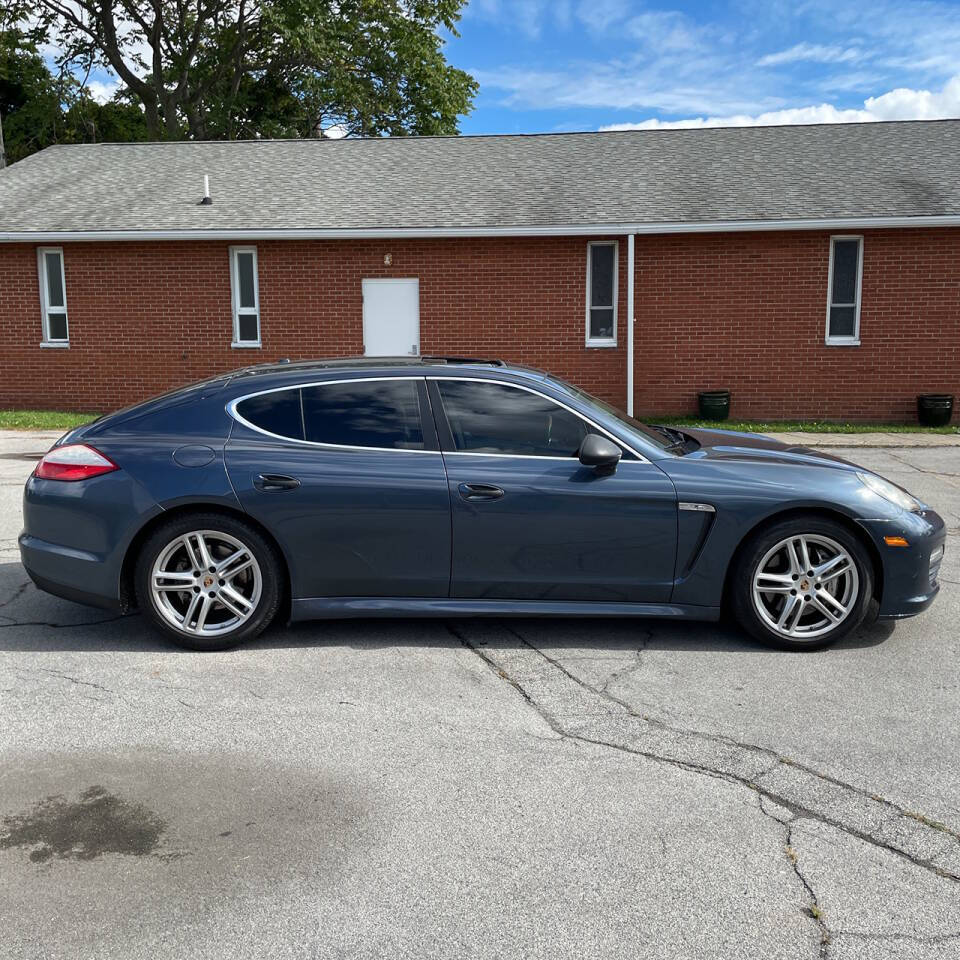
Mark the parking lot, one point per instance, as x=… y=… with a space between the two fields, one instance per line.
x=515 y=788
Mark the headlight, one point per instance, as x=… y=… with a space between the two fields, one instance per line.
x=890 y=491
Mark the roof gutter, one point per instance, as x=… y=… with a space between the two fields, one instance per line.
x=564 y=230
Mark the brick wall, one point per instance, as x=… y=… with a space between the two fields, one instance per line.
x=744 y=311
x=748 y=312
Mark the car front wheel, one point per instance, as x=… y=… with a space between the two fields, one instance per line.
x=802 y=583
x=208 y=581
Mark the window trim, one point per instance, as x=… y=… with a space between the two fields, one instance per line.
x=603 y=341
x=854 y=340
x=235 y=308
x=45 y=308
x=231 y=409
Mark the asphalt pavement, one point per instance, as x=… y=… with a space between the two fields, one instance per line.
x=474 y=789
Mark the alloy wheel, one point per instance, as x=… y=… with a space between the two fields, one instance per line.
x=805 y=586
x=206 y=583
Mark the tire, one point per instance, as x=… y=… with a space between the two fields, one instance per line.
x=222 y=604
x=823 y=608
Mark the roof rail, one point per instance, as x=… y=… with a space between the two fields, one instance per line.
x=428 y=358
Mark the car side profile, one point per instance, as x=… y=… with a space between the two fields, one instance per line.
x=448 y=487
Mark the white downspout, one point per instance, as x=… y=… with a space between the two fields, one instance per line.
x=630 y=322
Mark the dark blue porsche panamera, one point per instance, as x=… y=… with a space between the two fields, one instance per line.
x=445 y=487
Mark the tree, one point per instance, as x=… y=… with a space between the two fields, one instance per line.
x=223 y=69
x=38 y=109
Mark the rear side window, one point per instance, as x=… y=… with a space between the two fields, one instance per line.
x=277 y=412
x=364 y=413
x=493 y=418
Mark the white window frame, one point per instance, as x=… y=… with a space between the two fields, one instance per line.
x=237 y=343
x=603 y=341
x=44 y=305
x=852 y=341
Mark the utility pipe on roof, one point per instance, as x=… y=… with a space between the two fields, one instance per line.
x=630 y=322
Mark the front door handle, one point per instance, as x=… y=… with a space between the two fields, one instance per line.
x=479 y=491
x=268 y=482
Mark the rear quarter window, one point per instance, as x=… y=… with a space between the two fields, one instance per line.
x=278 y=412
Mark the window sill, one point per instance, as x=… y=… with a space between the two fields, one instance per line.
x=55 y=344
x=601 y=343
x=249 y=345
x=842 y=343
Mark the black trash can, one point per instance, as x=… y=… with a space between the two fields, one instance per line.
x=714 y=404
x=934 y=409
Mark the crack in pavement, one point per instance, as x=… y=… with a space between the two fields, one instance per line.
x=913 y=466
x=592 y=716
x=618 y=675
x=61 y=626
x=813 y=908
x=17 y=594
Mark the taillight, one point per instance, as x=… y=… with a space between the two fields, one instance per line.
x=73 y=461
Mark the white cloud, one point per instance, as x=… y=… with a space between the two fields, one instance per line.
x=102 y=91
x=899 y=104
x=812 y=53
x=663 y=30
x=600 y=15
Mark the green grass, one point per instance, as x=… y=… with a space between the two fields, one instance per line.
x=42 y=419
x=797 y=426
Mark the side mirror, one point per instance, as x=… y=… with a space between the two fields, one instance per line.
x=599 y=452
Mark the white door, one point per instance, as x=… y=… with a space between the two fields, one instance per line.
x=391 y=318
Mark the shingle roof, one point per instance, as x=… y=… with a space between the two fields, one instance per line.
x=533 y=182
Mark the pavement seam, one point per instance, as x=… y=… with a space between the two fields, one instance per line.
x=797 y=807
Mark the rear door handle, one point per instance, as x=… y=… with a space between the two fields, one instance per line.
x=269 y=482
x=479 y=491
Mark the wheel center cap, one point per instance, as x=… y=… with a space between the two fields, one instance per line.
x=804 y=585
x=208 y=581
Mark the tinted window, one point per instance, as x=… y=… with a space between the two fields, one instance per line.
x=365 y=413
x=275 y=412
x=492 y=418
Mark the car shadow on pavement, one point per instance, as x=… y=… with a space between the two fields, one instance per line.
x=31 y=620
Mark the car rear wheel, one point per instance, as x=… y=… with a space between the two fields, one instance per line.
x=802 y=583
x=208 y=581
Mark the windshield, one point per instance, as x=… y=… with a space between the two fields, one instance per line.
x=663 y=440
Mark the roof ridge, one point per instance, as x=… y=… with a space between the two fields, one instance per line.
x=531 y=135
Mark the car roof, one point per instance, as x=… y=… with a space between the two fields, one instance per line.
x=286 y=370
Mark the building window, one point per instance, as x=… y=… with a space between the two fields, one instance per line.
x=245 y=295
x=602 y=294
x=53 y=297
x=843 y=285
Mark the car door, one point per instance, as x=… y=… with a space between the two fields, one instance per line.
x=530 y=522
x=348 y=477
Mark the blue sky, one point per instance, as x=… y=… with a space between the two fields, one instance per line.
x=557 y=65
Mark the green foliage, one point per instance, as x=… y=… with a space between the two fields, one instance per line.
x=225 y=69
x=39 y=109
x=796 y=426
x=42 y=420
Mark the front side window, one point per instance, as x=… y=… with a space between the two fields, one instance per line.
x=245 y=296
x=602 y=294
x=843 y=300
x=494 y=418
x=364 y=413
x=53 y=295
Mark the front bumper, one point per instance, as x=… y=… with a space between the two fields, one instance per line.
x=910 y=581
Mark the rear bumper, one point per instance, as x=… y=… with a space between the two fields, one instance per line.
x=72 y=574
x=76 y=535
x=910 y=581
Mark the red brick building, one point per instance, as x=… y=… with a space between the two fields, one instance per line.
x=814 y=271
